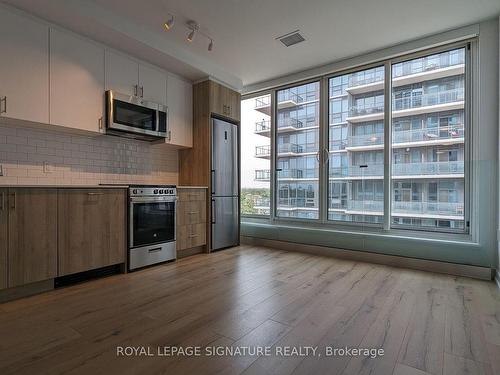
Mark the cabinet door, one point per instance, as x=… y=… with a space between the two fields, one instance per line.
x=180 y=112
x=76 y=82
x=153 y=84
x=224 y=101
x=24 y=68
x=32 y=226
x=92 y=229
x=122 y=73
x=3 y=238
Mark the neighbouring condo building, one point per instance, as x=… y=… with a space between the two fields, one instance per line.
x=427 y=171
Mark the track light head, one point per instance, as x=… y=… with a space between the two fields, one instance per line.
x=211 y=45
x=194 y=27
x=169 y=24
x=190 y=36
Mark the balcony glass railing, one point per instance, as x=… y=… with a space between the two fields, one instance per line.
x=297 y=202
x=286 y=148
x=428 y=168
x=263 y=101
x=401 y=169
x=262 y=174
x=287 y=95
x=367 y=110
x=298 y=173
x=366 y=79
x=290 y=122
x=262 y=150
x=408 y=136
x=365 y=140
x=262 y=202
x=421 y=208
x=443 y=60
x=424 y=100
x=264 y=125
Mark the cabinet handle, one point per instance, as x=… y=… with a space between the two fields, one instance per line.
x=100 y=123
x=95 y=193
x=193 y=212
x=4 y=101
x=135 y=90
x=13 y=201
x=193 y=235
x=142 y=91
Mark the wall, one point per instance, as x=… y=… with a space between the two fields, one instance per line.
x=81 y=160
x=480 y=248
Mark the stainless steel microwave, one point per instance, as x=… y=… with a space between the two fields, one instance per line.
x=133 y=117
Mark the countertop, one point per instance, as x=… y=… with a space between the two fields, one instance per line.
x=191 y=187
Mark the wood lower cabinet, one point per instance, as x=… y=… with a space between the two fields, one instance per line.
x=91 y=229
x=191 y=221
x=3 y=239
x=32 y=235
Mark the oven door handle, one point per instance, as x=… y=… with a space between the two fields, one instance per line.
x=153 y=199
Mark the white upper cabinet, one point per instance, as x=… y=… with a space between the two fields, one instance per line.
x=76 y=82
x=180 y=112
x=122 y=73
x=24 y=68
x=152 y=84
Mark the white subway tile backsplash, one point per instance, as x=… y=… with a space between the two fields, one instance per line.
x=82 y=160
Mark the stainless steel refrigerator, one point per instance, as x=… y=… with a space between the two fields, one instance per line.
x=225 y=184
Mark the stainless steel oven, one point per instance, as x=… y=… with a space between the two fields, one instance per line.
x=133 y=117
x=152 y=225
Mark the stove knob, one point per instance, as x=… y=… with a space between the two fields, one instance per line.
x=171 y=191
x=161 y=191
x=155 y=191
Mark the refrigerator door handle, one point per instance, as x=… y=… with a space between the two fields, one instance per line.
x=213 y=211
x=212 y=182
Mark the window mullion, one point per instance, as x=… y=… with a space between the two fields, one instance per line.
x=387 y=144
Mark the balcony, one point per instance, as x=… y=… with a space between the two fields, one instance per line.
x=429 y=99
x=296 y=203
x=443 y=135
x=263 y=128
x=263 y=151
x=362 y=114
x=408 y=138
x=262 y=203
x=263 y=104
x=443 y=169
x=408 y=209
x=288 y=99
x=262 y=174
x=284 y=149
x=289 y=124
x=423 y=72
x=426 y=169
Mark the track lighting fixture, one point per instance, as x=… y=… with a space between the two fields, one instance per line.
x=190 y=36
x=193 y=28
x=170 y=23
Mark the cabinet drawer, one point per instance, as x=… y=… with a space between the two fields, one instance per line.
x=191 y=212
x=192 y=235
x=191 y=195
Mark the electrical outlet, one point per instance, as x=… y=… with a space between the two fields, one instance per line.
x=47 y=167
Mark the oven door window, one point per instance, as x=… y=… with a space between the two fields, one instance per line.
x=153 y=223
x=133 y=115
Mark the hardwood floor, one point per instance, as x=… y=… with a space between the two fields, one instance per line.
x=252 y=296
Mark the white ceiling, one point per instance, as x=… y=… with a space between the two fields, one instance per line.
x=244 y=31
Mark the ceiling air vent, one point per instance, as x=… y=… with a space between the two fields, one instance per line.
x=291 y=38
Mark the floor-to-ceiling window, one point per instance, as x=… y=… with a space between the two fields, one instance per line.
x=297 y=146
x=356 y=146
x=255 y=155
x=337 y=168
x=428 y=142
